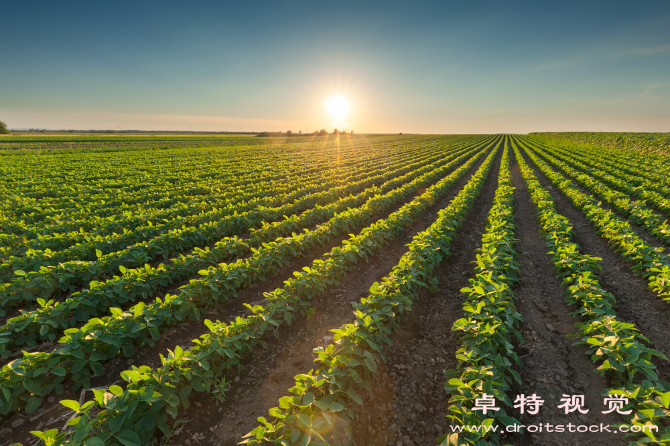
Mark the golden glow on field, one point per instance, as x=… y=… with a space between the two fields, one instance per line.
x=338 y=106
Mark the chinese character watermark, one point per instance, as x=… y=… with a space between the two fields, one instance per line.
x=572 y=403
x=616 y=403
x=485 y=403
x=532 y=402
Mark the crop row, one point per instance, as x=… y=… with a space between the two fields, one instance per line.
x=486 y=359
x=653 y=222
x=182 y=167
x=619 y=350
x=237 y=201
x=100 y=174
x=141 y=321
x=647 y=144
x=635 y=182
x=69 y=275
x=42 y=323
x=646 y=260
x=131 y=416
x=61 y=235
x=66 y=276
x=219 y=170
x=621 y=158
x=317 y=411
x=654 y=167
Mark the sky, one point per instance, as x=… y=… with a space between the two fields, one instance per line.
x=412 y=67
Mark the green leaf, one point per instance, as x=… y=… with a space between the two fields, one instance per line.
x=146 y=423
x=116 y=422
x=173 y=400
x=183 y=395
x=94 y=441
x=354 y=396
x=33 y=403
x=48 y=435
x=115 y=390
x=71 y=404
x=59 y=371
x=285 y=402
x=97 y=368
x=372 y=365
x=665 y=398
x=129 y=438
x=305 y=420
x=336 y=407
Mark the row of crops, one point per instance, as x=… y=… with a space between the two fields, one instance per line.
x=102 y=254
x=19 y=143
x=652 y=143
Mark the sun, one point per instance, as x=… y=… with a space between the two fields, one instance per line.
x=338 y=107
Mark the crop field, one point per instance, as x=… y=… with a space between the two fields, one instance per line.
x=654 y=143
x=365 y=290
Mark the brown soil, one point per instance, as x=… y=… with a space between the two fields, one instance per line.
x=636 y=303
x=552 y=366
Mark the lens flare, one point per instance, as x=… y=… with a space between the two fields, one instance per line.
x=338 y=107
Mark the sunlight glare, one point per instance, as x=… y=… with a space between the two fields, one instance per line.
x=338 y=107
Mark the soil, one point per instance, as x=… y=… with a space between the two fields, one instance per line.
x=635 y=301
x=552 y=366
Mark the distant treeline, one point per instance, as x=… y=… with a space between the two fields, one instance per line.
x=322 y=132
x=226 y=132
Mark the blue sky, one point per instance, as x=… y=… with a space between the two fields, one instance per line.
x=429 y=67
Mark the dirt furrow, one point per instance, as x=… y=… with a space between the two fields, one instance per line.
x=639 y=230
x=552 y=366
x=635 y=302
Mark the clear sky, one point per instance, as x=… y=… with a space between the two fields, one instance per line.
x=428 y=67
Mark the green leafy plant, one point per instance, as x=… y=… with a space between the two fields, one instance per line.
x=221 y=386
x=487 y=358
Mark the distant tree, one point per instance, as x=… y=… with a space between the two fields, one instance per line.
x=352 y=132
x=264 y=134
x=323 y=132
x=300 y=132
x=289 y=133
x=400 y=133
x=3 y=128
x=336 y=132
